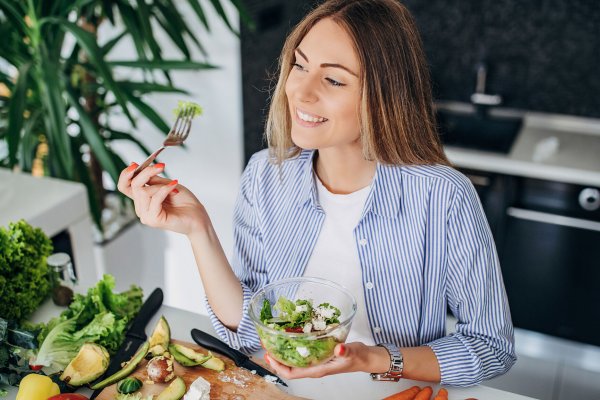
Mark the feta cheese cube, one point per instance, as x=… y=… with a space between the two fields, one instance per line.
x=303 y=351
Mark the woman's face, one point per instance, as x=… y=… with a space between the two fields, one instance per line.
x=323 y=90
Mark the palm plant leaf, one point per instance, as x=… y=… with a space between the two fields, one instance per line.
x=92 y=136
x=88 y=43
x=166 y=65
x=51 y=95
x=16 y=109
x=14 y=16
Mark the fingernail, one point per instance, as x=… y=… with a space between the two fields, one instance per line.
x=159 y=165
x=267 y=359
x=175 y=191
x=132 y=166
x=173 y=182
x=342 y=349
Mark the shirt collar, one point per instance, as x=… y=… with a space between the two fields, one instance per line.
x=383 y=200
x=308 y=189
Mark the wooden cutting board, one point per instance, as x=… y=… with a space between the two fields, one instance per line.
x=233 y=383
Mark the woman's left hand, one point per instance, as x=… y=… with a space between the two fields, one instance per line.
x=348 y=357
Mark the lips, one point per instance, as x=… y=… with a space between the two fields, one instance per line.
x=307 y=119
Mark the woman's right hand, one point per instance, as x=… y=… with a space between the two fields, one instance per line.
x=161 y=202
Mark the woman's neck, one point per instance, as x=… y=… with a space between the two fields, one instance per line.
x=343 y=172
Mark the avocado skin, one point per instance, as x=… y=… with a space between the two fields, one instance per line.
x=129 y=367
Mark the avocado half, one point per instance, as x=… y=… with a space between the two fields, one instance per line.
x=90 y=363
x=160 y=338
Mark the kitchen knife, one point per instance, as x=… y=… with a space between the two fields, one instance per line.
x=240 y=359
x=135 y=336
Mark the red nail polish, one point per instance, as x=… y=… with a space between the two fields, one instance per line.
x=267 y=359
x=159 y=165
x=173 y=182
x=132 y=166
x=175 y=191
x=342 y=349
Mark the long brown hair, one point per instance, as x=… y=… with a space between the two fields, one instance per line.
x=396 y=111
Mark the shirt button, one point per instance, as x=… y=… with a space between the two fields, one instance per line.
x=362 y=242
x=369 y=285
x=377 y=330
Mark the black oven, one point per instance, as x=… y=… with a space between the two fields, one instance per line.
x=549 y=248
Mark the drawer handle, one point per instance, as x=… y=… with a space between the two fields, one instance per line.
x=553 y=219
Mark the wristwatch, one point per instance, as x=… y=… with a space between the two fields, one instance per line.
x=396 y=364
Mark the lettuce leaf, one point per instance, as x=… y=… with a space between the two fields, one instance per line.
x=101 y=316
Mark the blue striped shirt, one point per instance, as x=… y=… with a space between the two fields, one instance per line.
x=423 y=241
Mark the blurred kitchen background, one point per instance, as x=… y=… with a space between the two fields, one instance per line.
x=517 y=89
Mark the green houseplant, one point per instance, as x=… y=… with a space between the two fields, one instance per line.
x=58 y=87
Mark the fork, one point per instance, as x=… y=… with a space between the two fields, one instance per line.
x=178 y=133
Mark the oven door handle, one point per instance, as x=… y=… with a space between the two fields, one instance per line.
x=553 y=219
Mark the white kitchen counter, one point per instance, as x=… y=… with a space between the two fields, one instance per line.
x=565 y=149
x=343 y=386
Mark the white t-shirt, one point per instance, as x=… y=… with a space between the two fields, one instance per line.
x=335 y=256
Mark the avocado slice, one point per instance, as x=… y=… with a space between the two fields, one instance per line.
x=186 y=356
x=214 y=363
x=127 y=369
x=160 y=338
x=174 y=391
x=89 y=364
x=182 y=359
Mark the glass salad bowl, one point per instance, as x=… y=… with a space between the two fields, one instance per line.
x=301 y=320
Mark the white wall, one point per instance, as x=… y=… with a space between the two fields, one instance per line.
x=210 y=167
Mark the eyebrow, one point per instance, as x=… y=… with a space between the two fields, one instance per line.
x=328 y=65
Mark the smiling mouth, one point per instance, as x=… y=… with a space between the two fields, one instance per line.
x=310 y=118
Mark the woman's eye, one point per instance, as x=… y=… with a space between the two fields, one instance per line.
x=298 y=66
x=333 y=82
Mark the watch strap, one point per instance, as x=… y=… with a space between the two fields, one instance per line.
x=396 y=364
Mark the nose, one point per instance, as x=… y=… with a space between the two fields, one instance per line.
x=306 y=90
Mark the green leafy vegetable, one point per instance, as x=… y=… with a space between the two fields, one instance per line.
x=188 y=105
x=24 y=275
x=16 y=348
x=101 y=316
x=294 y=316
x=304 y=335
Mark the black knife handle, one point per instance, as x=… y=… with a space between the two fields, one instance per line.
x=149 y=308
x=212 y=343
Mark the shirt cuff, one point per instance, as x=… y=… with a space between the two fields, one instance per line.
x=458 y=365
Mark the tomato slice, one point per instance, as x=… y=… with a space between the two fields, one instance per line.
x=35 y=367
x=294 y=330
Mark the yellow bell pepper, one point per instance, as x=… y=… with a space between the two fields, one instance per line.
x=37 y=387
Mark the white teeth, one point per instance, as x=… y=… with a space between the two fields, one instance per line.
x=308 y=118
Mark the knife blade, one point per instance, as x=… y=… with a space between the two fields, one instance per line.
x=135 y=336
x=240 y=359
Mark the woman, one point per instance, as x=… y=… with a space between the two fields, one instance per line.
x=356 y=188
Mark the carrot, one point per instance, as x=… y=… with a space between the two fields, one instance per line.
x=424 y=394
x=442 y=395
x=408 y=394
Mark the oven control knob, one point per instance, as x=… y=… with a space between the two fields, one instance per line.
x=589 y=199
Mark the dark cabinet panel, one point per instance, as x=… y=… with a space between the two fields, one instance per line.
x=552 y=275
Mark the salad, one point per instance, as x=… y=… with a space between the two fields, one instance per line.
x=300 y=334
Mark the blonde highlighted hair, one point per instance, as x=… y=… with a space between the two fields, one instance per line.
x=396 y=112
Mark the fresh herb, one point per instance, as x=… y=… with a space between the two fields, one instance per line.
x=24 y=275
x=187 y=106
x=100 y=317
